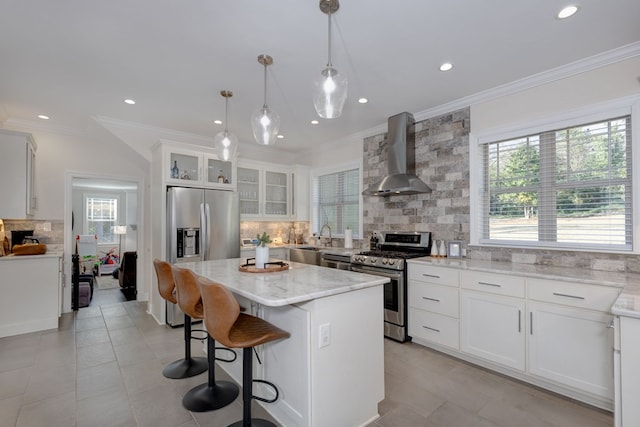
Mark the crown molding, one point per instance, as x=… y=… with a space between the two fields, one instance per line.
x=32 y=125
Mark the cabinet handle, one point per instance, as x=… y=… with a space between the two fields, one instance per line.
x=490 y=284
x=431 y=275
x=567 y=296
x=519 y=321
x=611 y=325
x=531 y=323
x=431 y=329
x=431 y=299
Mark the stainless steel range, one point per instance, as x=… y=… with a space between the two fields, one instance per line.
x=389 y=260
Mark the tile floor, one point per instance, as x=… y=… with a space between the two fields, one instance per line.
x=103 y=367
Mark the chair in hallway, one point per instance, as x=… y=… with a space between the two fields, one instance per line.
x=189 y=366
x=234 y=329
x=212 y=394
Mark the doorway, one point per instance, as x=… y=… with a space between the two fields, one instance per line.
x=107 y=210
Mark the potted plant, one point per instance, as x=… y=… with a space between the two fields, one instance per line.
x=262 y=250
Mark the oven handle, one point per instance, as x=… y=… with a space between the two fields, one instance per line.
x=376 y=271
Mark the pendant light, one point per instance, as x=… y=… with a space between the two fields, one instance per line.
x=330 y=88
x=225 y=142
x=265 y=122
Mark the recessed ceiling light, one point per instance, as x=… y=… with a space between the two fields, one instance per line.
x=43 y=117
x=567 y=12
x=218 y=122
x=363 y=100
x=129 y=101
x=280 y=136
x=314 y=122
x=446 y=66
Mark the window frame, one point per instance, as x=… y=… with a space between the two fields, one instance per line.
x=85 y=220
x=588 y=114
x=316 y=224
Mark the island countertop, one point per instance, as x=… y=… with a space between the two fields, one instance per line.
x=302 y=282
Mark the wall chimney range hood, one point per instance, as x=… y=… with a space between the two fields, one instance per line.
x=401 y=177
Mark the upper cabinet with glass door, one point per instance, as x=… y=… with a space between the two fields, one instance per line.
x=264 y=191
x=191 y=168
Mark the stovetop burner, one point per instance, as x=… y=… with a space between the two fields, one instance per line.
x=391 y=254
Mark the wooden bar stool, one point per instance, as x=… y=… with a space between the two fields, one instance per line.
x=189 y=366
x=212 y=394
x=234 y=329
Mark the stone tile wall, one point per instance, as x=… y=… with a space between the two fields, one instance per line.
x=55 y=236
x=442 y=161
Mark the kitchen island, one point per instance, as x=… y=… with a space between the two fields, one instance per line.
x=330 y=371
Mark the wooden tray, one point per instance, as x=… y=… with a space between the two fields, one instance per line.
x=269 y=268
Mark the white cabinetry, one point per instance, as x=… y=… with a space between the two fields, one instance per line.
x=570 y=340
x=17 y=160
x=433 y=305
x=264 y=191
x=553 y=333
x=629 y=372
x=31 y=286
x=186 y=167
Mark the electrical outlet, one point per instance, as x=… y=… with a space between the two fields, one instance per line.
x=325 y=335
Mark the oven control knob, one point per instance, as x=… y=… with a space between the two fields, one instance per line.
x=373 y=260
x=384 y=261
x=392 y=261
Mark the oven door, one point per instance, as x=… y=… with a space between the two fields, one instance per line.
x=394 y=293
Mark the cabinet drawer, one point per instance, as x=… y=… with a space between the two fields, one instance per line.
x=437 y=275
x=434 y=298
x=500 y=284
x=433 y=327
x=573 y=294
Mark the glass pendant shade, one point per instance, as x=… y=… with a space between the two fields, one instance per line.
x=330 y=87
x=265 y=124
x=226 y=145
x=330 y=93
x=225 y=142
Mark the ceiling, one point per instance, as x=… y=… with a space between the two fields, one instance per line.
x=75 y=60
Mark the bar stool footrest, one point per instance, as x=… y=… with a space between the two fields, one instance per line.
x=186 y=368
x=220 y=359
x=270 y=384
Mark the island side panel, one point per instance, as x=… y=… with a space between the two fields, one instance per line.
x=347 y=376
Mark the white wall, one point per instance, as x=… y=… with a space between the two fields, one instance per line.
x=613 y=81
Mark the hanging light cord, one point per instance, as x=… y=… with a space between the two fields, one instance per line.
x=265 y=86
x=329 y=49
x=226 y=114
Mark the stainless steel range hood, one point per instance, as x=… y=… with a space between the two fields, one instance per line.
x=401 y=177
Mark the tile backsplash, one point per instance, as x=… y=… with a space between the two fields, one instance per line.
x=49 y=232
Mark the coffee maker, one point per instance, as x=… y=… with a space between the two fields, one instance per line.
x=18 y=237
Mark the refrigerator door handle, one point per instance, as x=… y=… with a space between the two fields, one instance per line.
x=206 y=217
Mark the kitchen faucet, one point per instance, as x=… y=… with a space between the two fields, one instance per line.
x=330 y=238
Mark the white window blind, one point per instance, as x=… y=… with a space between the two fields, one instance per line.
x=101 y=217
x=568 y=188
x=336 y=201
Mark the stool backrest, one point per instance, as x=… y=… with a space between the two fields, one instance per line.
x=221 y=310
x=166 y=284
x=188 y=292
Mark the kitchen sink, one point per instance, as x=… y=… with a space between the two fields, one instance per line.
x=305 y=255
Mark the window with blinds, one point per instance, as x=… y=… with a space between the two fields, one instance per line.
x=567 y=188
x=101 y=217
x=336 y=201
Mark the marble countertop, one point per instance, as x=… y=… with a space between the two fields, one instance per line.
x=627 y=303
x=302 y=282
x=48 y=254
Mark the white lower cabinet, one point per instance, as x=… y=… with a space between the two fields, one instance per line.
x=492 y=327
x=553 y=333
x=571 y=346
x=628 y=412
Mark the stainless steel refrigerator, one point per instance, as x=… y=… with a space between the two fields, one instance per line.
x=201 y=225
